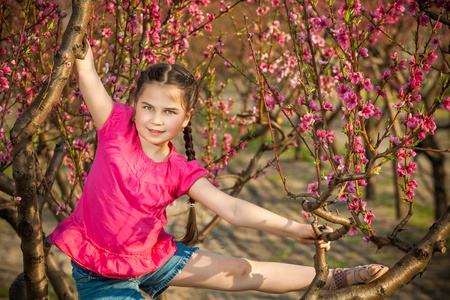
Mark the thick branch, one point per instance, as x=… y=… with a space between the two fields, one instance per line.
x=7 y=185
x=412 y=264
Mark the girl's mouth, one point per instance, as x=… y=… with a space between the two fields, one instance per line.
x=153 y=131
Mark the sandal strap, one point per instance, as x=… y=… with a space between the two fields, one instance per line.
x=339 y=279
x=355 y=274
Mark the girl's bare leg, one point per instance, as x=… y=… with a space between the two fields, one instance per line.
x=218 y=272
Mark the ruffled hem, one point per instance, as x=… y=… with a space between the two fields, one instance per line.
x=72 y=240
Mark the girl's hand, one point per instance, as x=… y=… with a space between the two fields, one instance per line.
x=308 y=236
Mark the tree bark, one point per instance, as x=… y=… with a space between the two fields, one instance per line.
x=24 y=172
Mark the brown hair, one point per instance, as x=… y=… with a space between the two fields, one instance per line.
x=180 y=77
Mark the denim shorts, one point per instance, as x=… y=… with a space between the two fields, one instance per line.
x=91 y=285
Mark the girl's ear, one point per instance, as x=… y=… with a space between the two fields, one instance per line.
x=187 y=118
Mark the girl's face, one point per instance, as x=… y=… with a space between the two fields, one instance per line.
x=159 y=116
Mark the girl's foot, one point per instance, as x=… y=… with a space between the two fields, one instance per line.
x=342 y=278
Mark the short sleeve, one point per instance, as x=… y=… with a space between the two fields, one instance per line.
x=193 y=171
x=118 y=120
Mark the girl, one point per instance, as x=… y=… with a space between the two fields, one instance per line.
x=115 y=236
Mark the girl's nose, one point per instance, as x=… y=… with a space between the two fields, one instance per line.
x=157 y=120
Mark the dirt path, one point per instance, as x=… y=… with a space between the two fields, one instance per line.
x=229 y=240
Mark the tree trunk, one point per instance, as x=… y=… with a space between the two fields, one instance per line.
x=437 y=160
x=29 y=228
x=24 y=162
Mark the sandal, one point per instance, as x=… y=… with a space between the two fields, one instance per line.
x=339 y=277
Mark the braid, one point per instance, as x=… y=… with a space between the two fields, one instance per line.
x=190 y=153
x=191 y=236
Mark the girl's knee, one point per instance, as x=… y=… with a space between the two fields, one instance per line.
x=247 y=276
x=243 y=268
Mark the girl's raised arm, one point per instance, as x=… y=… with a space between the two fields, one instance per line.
x=244 y=214
x=94 y=94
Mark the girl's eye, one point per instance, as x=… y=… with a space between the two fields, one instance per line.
x=170 y=112
x=148 y=108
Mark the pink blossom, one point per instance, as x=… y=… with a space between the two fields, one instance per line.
x=386 y=75
x=353 y=230
x=342 y=36
x=380 y=92
x=313 y=105
x=305 y=214
x=351 y=187
x=377 y=113
x=306 y=122
x=401 y=154
x=313 y=188
x=446 y=104
x=61 y=207
x=106 y=32
x=367 y=239
x=342 y=90
x=428 y=125
x=367 y=110
x=362 y=205
x=343 y=197
x=340 y=160
x=363 y=52
x=112 y=80
x=355 y=77
x=367 y=85
x=409 y=192
x=259 y=11
x=329 y=177
x=435 y=42
x=327 y=106
x=276 y=3
x=353 y=206
x=321 y=23
x=403 y=170
x=412 y=122
x=17 y=200
x=322 y=63
x=394 y=56
x=325 y=135
x=351 y=100
x=293 y=16
x=412 y=8
x=424 y=20
x=368 y=217
x=78 y=144
x=417 y=97
x=5 y=157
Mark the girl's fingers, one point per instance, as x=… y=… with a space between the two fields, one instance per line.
x=324 y=245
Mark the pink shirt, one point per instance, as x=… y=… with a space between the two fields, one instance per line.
x=117 y=227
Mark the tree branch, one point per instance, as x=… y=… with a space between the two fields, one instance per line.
x=412 y=264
